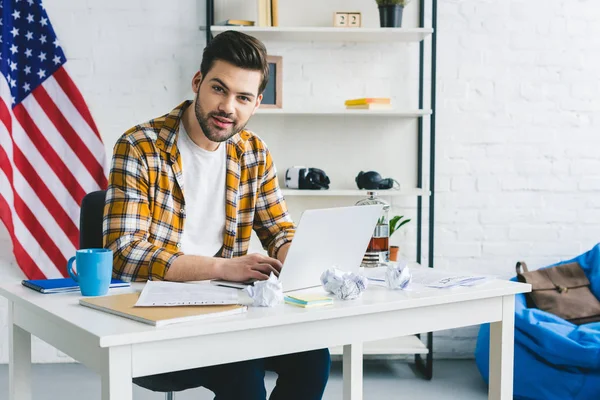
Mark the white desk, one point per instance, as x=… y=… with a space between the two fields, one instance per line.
x=120 y=349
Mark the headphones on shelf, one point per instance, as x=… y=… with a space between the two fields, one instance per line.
x=306 y=178
x=373 y=180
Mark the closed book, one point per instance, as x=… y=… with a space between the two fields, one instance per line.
x=373 y=106
x=62 y=285
x=274 y=12
x=308 y=300
x=124 y=305
x=368 y=100
x=236 y=22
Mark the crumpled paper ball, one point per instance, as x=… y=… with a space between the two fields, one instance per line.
x=344 y=285
x=398 y=276
x=266 y=293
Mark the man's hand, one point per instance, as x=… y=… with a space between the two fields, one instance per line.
x=251 y=266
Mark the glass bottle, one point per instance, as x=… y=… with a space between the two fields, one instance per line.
x=378 y=251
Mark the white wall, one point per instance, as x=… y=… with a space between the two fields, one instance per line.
x=518 y=172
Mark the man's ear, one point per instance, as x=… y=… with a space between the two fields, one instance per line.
x=258 y=101
x=196 y=80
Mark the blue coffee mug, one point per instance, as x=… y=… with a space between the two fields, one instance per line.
x=94 y=270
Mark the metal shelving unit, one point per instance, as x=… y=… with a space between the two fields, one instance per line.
x=419 y=345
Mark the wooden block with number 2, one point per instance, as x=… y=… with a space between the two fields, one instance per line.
x=340 y=19
x=354 y=20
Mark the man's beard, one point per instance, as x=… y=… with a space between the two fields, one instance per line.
x=212 y=133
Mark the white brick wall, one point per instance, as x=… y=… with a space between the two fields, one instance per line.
x=518 y=171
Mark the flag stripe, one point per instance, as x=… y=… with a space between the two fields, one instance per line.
x=23 y=260
x=41 y=191
x=53 y=160
x=44 y=215
x=59 y=144
x=45 y=173
x=32 y=224
x=24 y=237
x=70 y=136
x=75 y=119
x=68 y=86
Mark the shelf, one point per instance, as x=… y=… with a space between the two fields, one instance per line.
x=396 y=346
x=329 y=34
x=345 y=113
x=355 y=193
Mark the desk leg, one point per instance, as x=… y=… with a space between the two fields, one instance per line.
x=116 y=379
x=502 y=337
x=353 y=371
x=19 y=358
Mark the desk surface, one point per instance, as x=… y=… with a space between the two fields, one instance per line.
x=112 y=330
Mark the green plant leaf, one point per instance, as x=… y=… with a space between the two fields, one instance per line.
x=396 y=223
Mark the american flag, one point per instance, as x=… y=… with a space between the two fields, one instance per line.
x=51 y=153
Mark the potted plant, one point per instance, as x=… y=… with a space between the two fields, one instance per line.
x=396 y=223
x=390 y=12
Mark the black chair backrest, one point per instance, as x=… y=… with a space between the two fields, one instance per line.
x=90 y=220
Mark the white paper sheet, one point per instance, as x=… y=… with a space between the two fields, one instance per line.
x=161 y=293
x=429 y=277
x=439 y=279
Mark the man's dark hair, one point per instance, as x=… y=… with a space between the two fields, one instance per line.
x=239 y=49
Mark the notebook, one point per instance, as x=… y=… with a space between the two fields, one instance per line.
x=62 y=285
x=124 y=305
x=308 y=300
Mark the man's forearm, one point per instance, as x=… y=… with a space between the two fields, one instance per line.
x=282 y=252
x=194 y=268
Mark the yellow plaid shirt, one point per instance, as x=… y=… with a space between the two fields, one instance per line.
x=144 y=215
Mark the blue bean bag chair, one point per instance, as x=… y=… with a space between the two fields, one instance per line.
x=554 y=359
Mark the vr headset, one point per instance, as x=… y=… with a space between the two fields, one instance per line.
x=372 y=180
x=306 y=178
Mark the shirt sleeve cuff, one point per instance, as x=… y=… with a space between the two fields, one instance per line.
x=160 y=262
x=280 y=240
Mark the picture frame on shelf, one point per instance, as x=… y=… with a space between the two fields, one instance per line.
x=273 y=94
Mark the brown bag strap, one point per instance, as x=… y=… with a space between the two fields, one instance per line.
x=521 y=264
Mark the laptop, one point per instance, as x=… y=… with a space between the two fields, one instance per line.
x=330 y=237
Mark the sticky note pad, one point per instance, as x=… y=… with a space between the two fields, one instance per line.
x=308 y=300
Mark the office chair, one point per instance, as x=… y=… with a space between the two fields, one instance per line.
x=90 y=229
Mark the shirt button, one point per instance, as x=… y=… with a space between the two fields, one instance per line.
x=178 y=245
x=182 y=212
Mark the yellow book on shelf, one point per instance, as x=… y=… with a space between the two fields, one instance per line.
x=124 y=305
x=372 y=106
x=264 y=12
x=368 y=100
x=236 y=22
x=274 y=12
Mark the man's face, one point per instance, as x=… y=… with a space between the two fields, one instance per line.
x=226 y=99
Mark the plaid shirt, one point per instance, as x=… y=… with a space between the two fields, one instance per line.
x=144 y=215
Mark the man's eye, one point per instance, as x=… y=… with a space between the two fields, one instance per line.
x=244 y=98
x=217 y=89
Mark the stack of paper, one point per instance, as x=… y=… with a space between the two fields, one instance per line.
x=308 y=300
x=166 y=294
x=430 y=277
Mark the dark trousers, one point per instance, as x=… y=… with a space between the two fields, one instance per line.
x=301 y=376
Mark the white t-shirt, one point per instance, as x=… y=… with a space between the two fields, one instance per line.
x=204 y=183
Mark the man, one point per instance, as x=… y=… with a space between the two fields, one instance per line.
x=185 y=191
